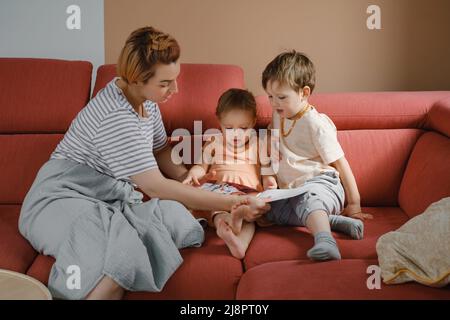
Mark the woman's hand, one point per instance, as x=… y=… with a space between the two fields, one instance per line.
x=258 y=207
x=354 y=211
x=269 y=182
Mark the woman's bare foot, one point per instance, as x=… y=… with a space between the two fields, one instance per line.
x=237 y=217
x=237 y=248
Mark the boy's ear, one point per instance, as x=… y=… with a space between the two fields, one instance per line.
x=306 y=91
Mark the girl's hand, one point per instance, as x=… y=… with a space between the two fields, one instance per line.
x=269 y=182
x=195 y=174
x=354 y=211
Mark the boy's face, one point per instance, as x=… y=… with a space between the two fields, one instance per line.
x=285 y=100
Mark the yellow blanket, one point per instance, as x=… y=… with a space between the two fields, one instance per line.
x=419 y=250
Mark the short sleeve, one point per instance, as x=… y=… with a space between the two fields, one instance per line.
x=324 y=137
x=160 y=139
x=123 y=146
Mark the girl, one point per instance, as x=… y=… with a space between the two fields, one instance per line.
x=231 y=161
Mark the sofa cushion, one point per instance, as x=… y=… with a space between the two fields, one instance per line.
x=40 y=269
x=16 y=253
x=21 y=158
x=331 y=280
x=369 y=110
x=200 y=86
x=42 y=95
x=277 y=243
x=427 y=176
x=378 y=159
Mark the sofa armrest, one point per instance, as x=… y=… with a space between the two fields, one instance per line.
x=438 y=118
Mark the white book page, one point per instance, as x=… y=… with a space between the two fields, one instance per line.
x=278 y=194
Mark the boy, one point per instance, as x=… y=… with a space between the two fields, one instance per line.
x=311 y=158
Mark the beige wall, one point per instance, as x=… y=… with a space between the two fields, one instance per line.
x=411 y=52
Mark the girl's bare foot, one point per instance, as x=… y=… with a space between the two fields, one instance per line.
x=233 y=243
x=237 y=217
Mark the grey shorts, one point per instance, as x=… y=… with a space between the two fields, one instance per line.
x=324 y=192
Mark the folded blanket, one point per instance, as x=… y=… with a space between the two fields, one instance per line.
x=100 y=225
x=419 y=250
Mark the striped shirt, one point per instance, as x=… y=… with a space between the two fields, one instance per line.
x=109 y=135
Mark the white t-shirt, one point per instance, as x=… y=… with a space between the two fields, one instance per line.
x=109 y=136
x=308 y=150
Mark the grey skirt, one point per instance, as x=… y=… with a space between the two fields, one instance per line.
x=95 y=225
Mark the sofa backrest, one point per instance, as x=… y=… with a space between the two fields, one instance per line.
x=378 y=132
x=39 y=98
x=200 y=86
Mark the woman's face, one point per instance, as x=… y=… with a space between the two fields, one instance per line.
x=162 y=85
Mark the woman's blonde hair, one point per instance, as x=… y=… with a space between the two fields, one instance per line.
x=144 y=49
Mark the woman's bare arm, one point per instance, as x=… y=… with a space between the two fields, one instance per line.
x=174 y=171
x=155 y=185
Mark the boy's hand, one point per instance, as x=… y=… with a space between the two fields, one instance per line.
x=354 y=211
x=269 y=182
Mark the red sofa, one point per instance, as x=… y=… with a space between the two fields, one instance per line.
x=398 y=144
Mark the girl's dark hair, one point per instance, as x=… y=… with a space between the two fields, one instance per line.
x=233 y=99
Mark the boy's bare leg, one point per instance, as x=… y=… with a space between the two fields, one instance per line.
x=325 y=247
x=237 y=244
x=106 y=289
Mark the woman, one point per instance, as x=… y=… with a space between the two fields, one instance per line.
x=82 y=208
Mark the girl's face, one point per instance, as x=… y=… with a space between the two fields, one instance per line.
x=236 y=125
x=285 y=100
x=162 y=85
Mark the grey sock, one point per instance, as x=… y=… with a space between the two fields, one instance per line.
x=325 y=247
x=351 y=227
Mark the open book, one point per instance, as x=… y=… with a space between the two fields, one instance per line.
x=278 y=194
x=231 y=188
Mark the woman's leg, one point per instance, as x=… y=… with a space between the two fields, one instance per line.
x=106 y=289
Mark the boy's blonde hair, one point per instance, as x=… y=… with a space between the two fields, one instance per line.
x=143 y=50
x=292 y=68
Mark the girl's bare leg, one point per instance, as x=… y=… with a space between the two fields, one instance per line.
x=237 y=244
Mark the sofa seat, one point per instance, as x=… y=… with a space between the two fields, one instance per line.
x=331 y=280
x=279 y=243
